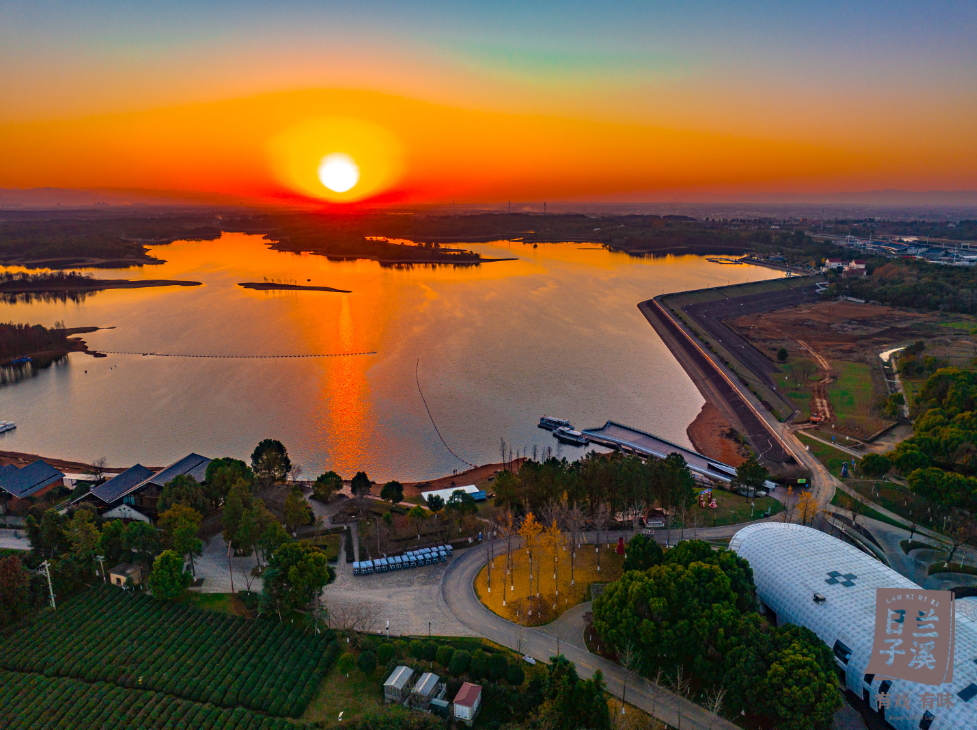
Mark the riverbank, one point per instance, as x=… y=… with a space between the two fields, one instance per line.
x=269 y=286
x=45 y=355
x=712 y=436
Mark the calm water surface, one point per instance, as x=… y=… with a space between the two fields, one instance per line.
x=555 y=332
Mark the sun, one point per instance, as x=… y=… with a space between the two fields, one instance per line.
x=338 y=172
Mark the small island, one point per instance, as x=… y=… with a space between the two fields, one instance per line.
x=62 y=282
x=274 y=286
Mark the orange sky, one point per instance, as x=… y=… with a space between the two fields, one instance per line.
x=429 y=152
x=478 y=104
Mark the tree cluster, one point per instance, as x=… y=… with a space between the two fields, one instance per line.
x=693 y=611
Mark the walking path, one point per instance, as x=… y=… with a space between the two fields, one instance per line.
x=459 y=596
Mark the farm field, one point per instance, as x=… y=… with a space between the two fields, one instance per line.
x=133 y=641
x=29 y=701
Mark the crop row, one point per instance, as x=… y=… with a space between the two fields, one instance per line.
x=35 y=702
x=132 y=640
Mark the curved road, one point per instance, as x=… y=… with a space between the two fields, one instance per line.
x=458 y=593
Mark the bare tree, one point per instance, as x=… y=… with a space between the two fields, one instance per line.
x=714 y=704
x=355 y=617
x=630 y=660
x=790 y=504
x=97 y=468
x=601 y=518
x=855 y=505
x=574 y=520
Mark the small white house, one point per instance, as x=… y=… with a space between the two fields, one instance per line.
x=467 y=703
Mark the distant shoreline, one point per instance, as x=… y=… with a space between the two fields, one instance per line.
x=93 y=285
x=270 y=286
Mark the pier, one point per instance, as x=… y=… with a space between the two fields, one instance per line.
x=618 y=436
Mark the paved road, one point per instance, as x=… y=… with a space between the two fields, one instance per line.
x=541 y=644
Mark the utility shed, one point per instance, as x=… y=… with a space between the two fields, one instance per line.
x=398 y=684
x=467 y=703
x=428 y=687
x=124 y=572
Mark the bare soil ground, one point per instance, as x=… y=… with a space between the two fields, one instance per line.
x=711 y=434
x=839 y=330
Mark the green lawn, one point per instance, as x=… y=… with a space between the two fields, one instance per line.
x=796 y=387
x=329 y=544
x=733 y=509
x=353 y=696
x=853 y=397
x=219 y=602
x=839 y=500
x=827 y=455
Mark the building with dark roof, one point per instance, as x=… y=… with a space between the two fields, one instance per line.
x=112 y=490
x=16 y=485
x=133 y=493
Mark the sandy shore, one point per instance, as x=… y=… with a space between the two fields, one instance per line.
x=710 y=435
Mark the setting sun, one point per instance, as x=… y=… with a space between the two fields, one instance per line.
x=338 y=172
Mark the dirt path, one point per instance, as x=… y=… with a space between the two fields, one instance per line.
x=820 y=405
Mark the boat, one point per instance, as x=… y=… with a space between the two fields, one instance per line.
x=21 y=360
x=551 y=424
x=567 y=435
x=7 y=426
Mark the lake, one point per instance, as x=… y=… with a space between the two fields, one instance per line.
x=556 y=332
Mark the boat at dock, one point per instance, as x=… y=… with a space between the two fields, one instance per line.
x=21 y=360
x=551 y=424
x=7 y=426
x=569 y=436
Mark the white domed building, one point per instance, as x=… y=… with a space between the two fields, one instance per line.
x=812 y=579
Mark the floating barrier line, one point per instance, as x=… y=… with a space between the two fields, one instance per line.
x=436 y=429
x=236 y=357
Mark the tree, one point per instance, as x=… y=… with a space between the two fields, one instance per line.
x=367 y=662
x=751 y=475
x=874 y=465
x=571 y=702
x=183 y=489
x=360 y=484
x=459 y=663
x=15 y=589
x=515 y=675
x=297 y=510
x=48 y=536
x=295 y=575
x=416 y=517
x=435 y=503
x=168 y=579
x=97 y=468
x=326 y=485
x=221 y=475
x=110 y=542
x=346 y=663
x=802 y=688
x=385 y=653
x=270 y=461
x=497 y=666
x=143 y=540
x=443 y=657
x=273 y=534
x=807 y=507
x=782 y=354
x=180 y=524
x=529 y=531
x=392 y=492
x=83 y=534
x=642 y=553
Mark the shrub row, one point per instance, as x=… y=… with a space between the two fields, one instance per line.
x=35 y=702
x=134 y=641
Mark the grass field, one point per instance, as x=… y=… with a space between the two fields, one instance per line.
x=853 y=398
x=840 y=500
x=731 y=509
x=831 y=457
x=558 y=593
x=353 y=696
x=796 y=386
x=220 y=602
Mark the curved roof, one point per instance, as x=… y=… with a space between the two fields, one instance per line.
x=791 y=563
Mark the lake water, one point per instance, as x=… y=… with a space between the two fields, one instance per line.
x=556 y=332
